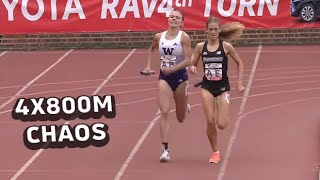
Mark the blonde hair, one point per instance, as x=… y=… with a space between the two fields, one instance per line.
x=229 y=31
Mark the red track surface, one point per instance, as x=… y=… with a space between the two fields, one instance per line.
x=275 y=137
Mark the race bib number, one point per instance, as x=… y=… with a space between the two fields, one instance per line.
x=213 y=71
x=167 y=61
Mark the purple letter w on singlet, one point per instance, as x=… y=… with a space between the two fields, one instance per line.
x=168 y=51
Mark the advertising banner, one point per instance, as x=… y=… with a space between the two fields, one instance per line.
x=62 y=16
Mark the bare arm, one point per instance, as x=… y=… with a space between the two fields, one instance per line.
x=154 y=45
x=196 y=57
x=233 y=54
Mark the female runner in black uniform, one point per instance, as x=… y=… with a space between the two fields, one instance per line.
x=215 y=86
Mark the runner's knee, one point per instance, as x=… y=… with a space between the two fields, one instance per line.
x=181 y=117
x=222 y=124
x=164 y=113
x=211 y=123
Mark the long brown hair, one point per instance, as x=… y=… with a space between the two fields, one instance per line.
x=229 y=31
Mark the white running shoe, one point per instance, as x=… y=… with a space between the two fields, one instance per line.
x=165 y=157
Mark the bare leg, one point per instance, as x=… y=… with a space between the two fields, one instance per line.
x=209 y=107
x=181 y=101
x=165 y=93
x=223 y=110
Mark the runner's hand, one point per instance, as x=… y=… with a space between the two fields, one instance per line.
x=193 y=69
x=167 y=71
x=241 y=88
x=147 y=71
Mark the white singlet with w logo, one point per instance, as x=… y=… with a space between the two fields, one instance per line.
x=171 y=51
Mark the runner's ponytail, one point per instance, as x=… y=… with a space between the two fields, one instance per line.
x=229 y=31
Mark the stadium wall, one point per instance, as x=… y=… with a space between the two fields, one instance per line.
x=307 y=36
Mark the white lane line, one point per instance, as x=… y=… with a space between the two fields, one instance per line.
x=237 y=123
x=37 y=154
x=36 y=78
